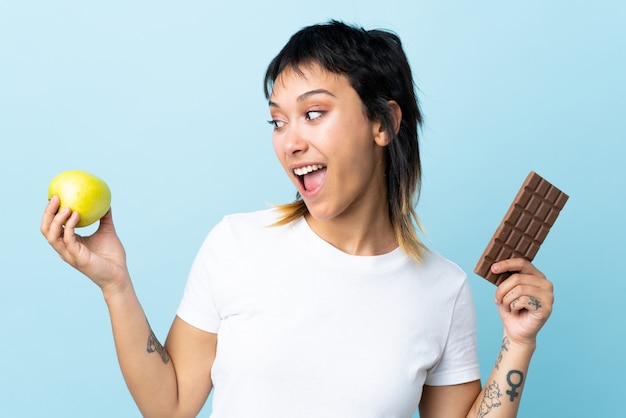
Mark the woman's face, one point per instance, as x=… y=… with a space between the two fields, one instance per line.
x=330 y=150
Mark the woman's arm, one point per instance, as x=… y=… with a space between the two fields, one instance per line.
x=172 y=382
x=499 y=398
x=503 y=388
x=524 y=303
x=448 y=401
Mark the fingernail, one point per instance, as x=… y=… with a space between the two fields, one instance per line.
x=495 y=268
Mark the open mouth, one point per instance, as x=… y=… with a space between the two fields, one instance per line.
x=310 y=176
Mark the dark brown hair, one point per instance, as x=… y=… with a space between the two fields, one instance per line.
x=376 y=66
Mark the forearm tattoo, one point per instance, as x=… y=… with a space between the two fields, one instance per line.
x=492 y=393
x=491 y=399
x=155 y=346
x=504 y=347
x=515 y=378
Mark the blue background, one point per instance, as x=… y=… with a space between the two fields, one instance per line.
x=164 y=101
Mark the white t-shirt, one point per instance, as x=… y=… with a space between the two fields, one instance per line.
x=306 y=330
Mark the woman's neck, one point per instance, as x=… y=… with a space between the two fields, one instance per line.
x=357 y=235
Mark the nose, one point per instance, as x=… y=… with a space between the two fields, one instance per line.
x=293 y=141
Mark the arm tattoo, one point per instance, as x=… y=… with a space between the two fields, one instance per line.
x=504 y=347
x=491 y=399
x=155 y=346
x=515 y=382
x=534 y=302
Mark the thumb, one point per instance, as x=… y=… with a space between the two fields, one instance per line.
x=106 y=222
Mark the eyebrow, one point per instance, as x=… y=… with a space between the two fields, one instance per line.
x=306 y=95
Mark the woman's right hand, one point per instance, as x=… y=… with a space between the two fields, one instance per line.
x=99 y=256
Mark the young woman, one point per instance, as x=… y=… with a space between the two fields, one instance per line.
x=329 y=306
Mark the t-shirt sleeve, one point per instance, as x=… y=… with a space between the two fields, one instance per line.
x=197 y=306
x=459 y=362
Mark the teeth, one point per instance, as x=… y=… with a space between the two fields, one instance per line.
x=301 y=171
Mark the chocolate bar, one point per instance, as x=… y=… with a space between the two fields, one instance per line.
x=524 y=227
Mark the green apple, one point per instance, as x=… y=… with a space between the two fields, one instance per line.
x=83 y=193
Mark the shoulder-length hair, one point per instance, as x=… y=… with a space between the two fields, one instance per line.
x=376 y=66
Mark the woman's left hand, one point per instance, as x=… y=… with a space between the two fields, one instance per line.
x=524 y=299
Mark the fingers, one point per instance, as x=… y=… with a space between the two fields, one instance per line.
x=69 y=236
x=53 y=220
x=523 y=272
x=100 y=256
x=106 y=222
x=519 y=265
x=524 y=299
x=58 y=226
x=525 y=302
x=525 y=292
x=48 y=214
x=527 y=288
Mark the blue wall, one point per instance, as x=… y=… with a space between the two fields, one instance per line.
x=164 y=101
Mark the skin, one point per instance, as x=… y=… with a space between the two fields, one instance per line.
x=318 y=119
x=516 y=300
x=172 y=385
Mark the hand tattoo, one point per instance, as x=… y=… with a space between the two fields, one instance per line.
x=534 y=302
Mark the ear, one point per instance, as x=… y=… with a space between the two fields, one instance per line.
x=381 y=135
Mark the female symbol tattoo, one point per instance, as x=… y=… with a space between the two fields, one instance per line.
x=513 y=393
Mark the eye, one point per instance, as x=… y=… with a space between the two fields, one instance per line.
x=276 y=123
x=313 y=114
